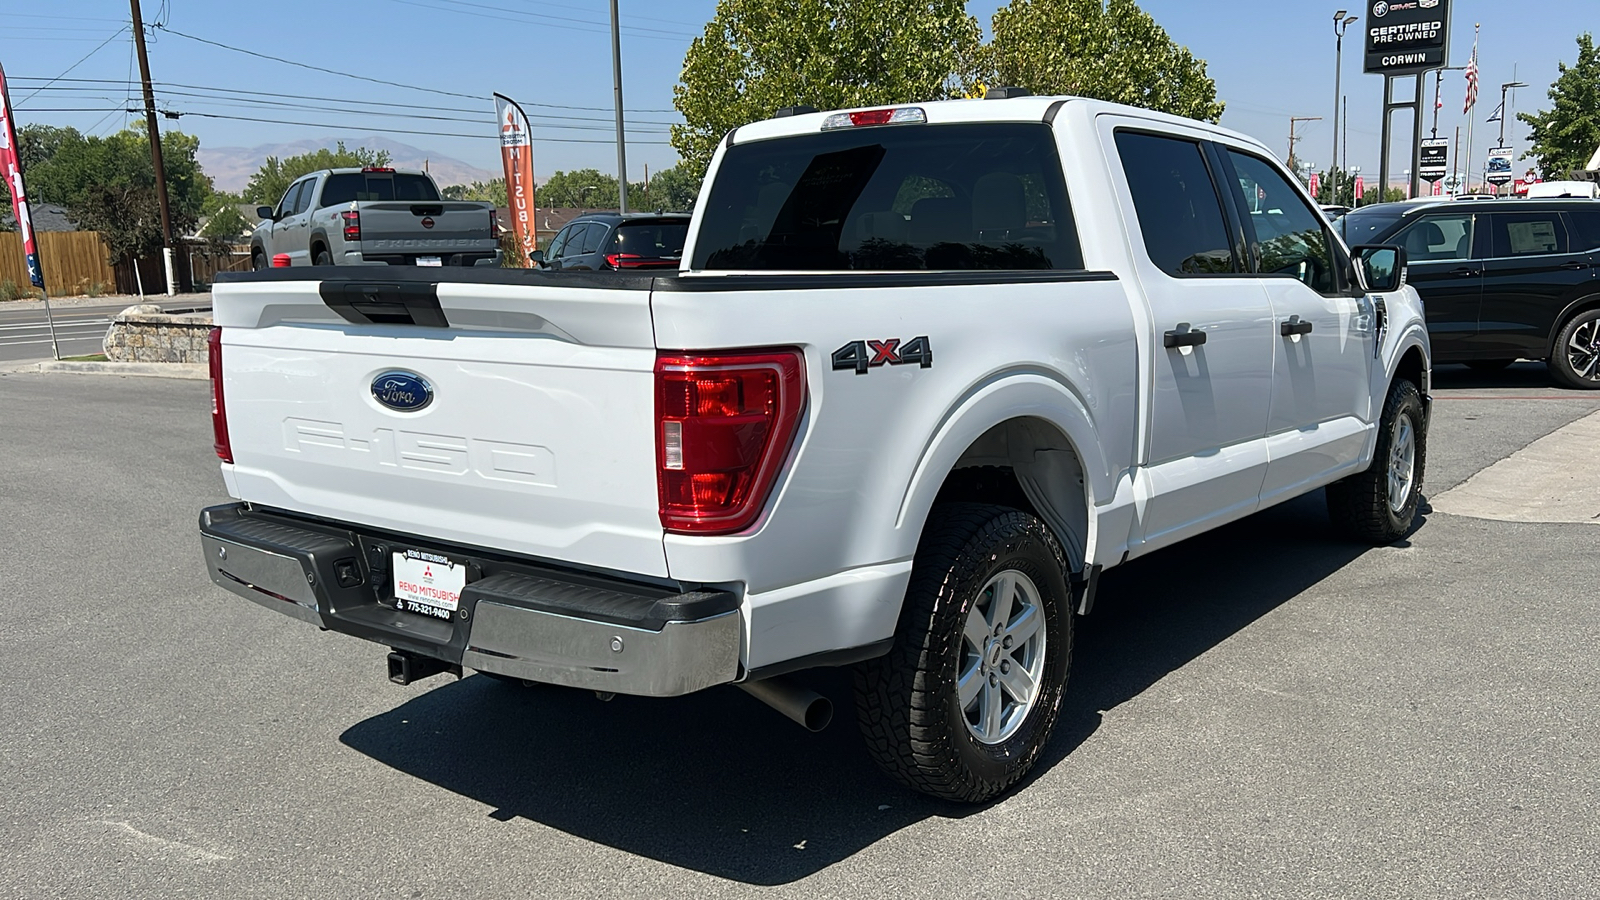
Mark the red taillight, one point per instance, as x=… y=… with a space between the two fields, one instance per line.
x=219 y=410
x=624 y=260
x=724 y=424
x=352 y=224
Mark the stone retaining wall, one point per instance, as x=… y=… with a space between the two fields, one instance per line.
x=143 y=333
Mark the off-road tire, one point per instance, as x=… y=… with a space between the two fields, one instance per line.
x=258 y=261
x=323 y=258
x=1359 y=504
x=907 y=703
x=1560 y=359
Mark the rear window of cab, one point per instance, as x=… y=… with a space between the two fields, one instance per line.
x=892 y=198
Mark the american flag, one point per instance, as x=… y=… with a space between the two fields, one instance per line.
x=1472 y=81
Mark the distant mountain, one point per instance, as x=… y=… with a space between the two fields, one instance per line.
x=230 y=168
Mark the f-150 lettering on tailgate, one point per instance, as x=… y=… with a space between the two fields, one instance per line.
x=445 y=454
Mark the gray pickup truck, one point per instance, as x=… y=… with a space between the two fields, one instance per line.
x=373 y=216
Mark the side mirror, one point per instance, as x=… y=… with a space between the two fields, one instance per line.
x=1380 y=268
x=536 y=257
x=264 y=212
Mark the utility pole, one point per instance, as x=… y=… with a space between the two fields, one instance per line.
x=616 y=81
x=1340 y=23
x=155 y=148
x=1294 y=121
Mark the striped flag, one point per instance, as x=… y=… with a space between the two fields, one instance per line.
x=1472 y=80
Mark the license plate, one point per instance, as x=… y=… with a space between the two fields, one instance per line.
x=428 y=261
x=428 y=583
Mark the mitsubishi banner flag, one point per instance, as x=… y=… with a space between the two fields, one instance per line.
x=516 y=151
x=11 y=167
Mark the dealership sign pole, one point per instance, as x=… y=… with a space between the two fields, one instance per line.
x=11 y=167
x=1405 y=38
x=516 y=152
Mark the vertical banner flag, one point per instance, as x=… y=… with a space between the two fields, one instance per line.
x=1361 y=188
x=11 y=167
x=516 y=151
x=1316 y=182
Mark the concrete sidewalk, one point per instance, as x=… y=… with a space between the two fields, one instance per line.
x=153 y=370
x=1553 y=479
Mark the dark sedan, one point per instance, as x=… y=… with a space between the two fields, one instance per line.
x=1502 y=280
x=613 y=241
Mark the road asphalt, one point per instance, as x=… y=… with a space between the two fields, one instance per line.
x=80 y=323
x=1263 y=711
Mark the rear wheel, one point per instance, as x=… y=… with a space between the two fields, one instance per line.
x=1576 y=360
x=965 y=702
x=258 y=261
x=1380 y=504
x=322 y=258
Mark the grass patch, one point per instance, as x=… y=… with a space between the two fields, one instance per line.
x=93 y=357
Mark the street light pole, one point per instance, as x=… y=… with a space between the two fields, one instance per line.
x=1340 y=23
x=616 y=80
x=1510 y=85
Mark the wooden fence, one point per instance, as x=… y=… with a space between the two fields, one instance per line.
x=74 y=262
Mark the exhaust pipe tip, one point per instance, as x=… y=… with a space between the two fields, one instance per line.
x=809 y=709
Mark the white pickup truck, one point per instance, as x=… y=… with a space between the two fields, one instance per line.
x=924 y=373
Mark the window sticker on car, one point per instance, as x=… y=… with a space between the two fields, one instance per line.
x=1532 y=237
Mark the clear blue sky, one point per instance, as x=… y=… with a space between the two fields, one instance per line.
x=1270 y=60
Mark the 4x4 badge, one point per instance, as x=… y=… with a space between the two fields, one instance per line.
x=864 y=355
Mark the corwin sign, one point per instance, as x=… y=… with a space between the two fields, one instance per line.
x=1405 y=37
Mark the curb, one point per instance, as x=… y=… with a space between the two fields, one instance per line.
x=194 y=371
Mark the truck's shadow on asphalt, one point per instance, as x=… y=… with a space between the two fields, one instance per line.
x=720 y=784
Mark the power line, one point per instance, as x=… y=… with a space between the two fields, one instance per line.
x=80 y=62
x=486 y=137
x=172 y=89
x=411 y=87
x=290 y=62
x=543 y=20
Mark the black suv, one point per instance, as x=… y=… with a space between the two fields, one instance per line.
x=1501 y=280
x=615 y=241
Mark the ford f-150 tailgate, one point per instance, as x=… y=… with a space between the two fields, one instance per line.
x=513 y=416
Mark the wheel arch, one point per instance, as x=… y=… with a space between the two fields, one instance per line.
x=1581 y=305
x=1037 y=429
x=319 y=241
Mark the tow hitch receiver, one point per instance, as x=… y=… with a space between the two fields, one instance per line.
x=406 y=667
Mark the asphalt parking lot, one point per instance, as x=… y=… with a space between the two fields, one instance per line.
x=1265 y=711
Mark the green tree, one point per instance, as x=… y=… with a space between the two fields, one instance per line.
x=1566 y=135
x=492 y=191
x=757 y=56
x=269 y=182
x=674 y=189
x=225 y=224
x=108 y=185
x=582 y=188
x=1106 y=50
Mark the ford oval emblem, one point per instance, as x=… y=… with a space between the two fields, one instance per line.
x=402 y=391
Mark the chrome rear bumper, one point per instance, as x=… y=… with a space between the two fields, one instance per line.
x=514 y=618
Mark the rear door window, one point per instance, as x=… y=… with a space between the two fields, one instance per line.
x=1438 y=237
x=559 y=245
x=592 y=237
x=892 y=198
x=1527 y=234
x=291 y=198
x=1177 y=204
